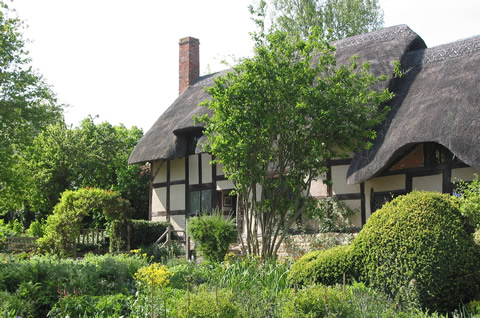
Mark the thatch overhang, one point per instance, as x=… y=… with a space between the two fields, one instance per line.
x=437 y=100
x=381 y=48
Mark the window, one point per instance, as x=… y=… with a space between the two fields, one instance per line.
x=200 y=202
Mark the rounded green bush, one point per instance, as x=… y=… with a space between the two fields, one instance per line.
x=323 y=267
x=420 y=238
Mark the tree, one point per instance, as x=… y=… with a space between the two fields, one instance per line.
x=63 y=158
x=343 y=18
x=27 y=105
x=278 y=117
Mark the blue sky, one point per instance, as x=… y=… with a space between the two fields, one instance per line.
x=119 y=59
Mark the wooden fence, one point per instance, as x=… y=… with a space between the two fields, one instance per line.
x=92 y=237
x=21 y=244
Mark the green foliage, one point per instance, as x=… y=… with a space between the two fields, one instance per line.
x=213 y=233
x=332 y=215
x=86 y=306
x=420 y=239
x=27 y=104
x=278 y=117
x=354 y=300
x=470 y=201
x=13 y=305
x=144 y=233
x=69 y=215
x=91 y=155
x=41 y=280
x=339 y=18
x=206 y=304
x=36 y=228
x=323 y=267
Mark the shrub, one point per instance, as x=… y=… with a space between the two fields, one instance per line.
x=420 y=238
x=64 y=225
x=145 y=232
x=470 y=201
x=13 y=305
x=36 y=228
x=213 y=233
x=323 y=267
x=86 y=306
x=206 y=304
x=332 y=215
x=142 y=233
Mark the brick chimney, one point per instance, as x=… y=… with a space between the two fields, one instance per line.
x=189 y=66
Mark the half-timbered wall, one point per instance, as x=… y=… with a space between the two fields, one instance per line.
x=173 y=182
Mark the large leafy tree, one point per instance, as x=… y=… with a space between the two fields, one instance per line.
x=278 y=117
x=27 y=104
x=343 y=18
x=63 y=158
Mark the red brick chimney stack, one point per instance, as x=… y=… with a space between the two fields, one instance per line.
x=189 y=66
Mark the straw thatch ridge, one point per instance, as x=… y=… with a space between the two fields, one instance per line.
x=381 y=48
x=438 y=100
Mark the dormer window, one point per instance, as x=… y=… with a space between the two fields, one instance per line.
x=192 y=141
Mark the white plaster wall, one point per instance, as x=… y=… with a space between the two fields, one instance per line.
x=193 y=169
x=224 y=185
x=339 y=178
x=159 y=218
x=178 y=222
x=161 y=167
x=220 y=171
x=318 y=189
x=428 y=183
x=159 y=199
x=357 y=217
x=177 y=169
x=177 y=197
x=206 y=168
x=464 y=174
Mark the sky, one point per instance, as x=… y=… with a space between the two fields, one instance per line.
x=118 y=59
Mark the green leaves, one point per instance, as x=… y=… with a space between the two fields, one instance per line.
x=279 y=116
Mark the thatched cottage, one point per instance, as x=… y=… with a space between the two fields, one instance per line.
x=430 y=139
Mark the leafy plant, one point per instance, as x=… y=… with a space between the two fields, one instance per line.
x=421 y=237
x=63 y=226
x=206 y=304
x=470 y=201
x=332 y=215
x=324 y=267
x=214 y=233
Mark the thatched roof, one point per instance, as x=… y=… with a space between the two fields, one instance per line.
x=381 y=48
x=438 y=100
x=160 y=142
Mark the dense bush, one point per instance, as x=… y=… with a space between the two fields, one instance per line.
x=142 y=233
x=420 y=238
x=40 y=280
x=88 y=306
x=73 y=210
x=213 y=234
x=206 y=304
x=349 y=301
x=323 y=267
x=145 y=232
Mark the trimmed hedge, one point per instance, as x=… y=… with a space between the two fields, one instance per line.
x=323 y=267
x=142 y=233
x=421 y=239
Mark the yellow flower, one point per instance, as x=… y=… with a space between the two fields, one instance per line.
x=135 y=251
x=155 y=275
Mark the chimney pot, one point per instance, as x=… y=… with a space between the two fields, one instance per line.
x=189 y=64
